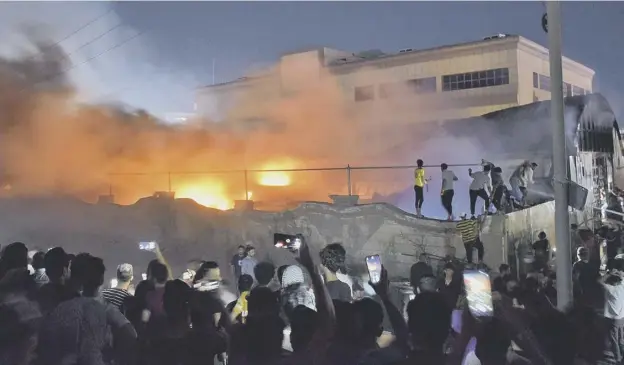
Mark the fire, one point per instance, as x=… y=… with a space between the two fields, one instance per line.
x=207 y=193
x=275 y=178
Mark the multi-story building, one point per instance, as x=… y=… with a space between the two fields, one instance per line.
x=461 y=80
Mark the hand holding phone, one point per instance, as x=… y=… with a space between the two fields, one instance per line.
x=478 y=293
x=288 y=241
x=373 y=264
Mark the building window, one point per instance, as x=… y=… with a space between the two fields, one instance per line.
x=364 y=93
x=473 y=80
x=544 y=82
x=535 y=80
x=577 y=91
x=567 y=89
x=422 y=86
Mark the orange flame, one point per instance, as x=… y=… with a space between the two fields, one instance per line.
x=208 y=193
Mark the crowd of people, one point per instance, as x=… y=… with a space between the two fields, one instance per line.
x=487 y=184
x=53 y=311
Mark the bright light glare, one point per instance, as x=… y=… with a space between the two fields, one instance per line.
x=209 y=194
x=274 y=179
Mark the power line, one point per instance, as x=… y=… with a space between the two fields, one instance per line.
x=52 y=77
x=92 y=40
x=76 y=31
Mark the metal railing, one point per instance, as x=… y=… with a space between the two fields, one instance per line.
x=349 y=169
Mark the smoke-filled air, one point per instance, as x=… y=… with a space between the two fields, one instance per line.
x=51 y=143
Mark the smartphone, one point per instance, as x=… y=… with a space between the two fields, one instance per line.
x=287 y=241
x=147 y=246
x=144 y=276
x=113 y=283
x=373 y=264
x=478 y=293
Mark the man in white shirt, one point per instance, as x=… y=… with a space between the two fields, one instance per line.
x=521 y=178
x=613 y=285
x=481 y=187
x=447 y=193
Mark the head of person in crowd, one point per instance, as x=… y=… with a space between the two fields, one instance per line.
x=428 y=284
x=429 y=320
x=449 y=271
x=158 y=273
x=493 y=343
x=443 y=167
x=56 y=263
x=419 y=163
x=280 y=273
x=209 y=271
x=38 y=262
x=245 y=283
x=264 y=273
x=582 y=253
x=541 y=236
x=303 y=324
x=125 y=275
x=369 y=317
x=242 y=250
x=250 y=251
x=487 y=168
x=333 y=258
x=176 y=301
x=89 y=274
x=504 y=270
x=294 y=290
x=19 y=318
x=14 y=256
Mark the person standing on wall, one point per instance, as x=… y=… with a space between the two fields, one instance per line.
x=419 y=186
x=521 y=178
x=469 y=230
x=479 y=188
x=447 y=193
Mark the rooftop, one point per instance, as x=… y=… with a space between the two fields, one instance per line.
x=376 y=55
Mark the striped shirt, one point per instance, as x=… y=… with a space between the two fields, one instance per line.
x=115 y=296
x=468 y=229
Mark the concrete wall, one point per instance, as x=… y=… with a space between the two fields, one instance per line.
x=188 y=231
x=507 y=237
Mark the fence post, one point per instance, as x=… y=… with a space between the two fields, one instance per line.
x=246 y=186
x=349 y=179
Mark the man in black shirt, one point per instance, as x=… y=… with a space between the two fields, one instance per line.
x=584 y=273
x=419 y=270
x=541 y=249
x=333 y=257
x=236 y=262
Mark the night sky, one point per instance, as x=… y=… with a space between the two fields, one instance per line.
x=159 y=69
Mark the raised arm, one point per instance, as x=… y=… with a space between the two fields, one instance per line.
x=395 y=316
x=161 y=258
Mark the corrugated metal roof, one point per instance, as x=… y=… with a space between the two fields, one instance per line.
x=589 y=124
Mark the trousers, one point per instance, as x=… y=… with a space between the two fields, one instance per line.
x=447 y=200
x=481 y=193
x=471 y=245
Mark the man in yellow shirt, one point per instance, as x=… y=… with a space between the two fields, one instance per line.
x=419 y=186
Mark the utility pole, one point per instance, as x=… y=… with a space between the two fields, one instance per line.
x=560 y=160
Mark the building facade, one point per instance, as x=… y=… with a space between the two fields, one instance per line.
x=459 y=81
